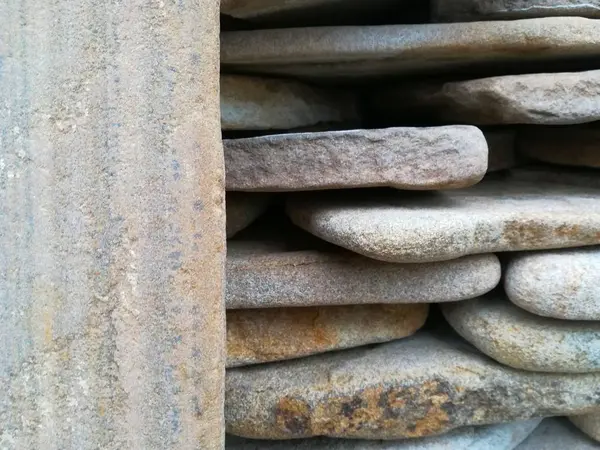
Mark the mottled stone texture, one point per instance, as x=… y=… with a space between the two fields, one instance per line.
x=111 y=225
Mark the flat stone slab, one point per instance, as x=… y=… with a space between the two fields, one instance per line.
x=466 y=10
x=408 y=49
x=404 y=158
x=255 y=103
x=570 y=146
x=275 y=334
x=523 y=340
x=589 y=424
x=555 y=434
x=489 y=217
x=501 y=149
x=541 y=98
x=274 y=278
x=420 y=386
x=244 y=208
x=505 y=436
x=564 y=284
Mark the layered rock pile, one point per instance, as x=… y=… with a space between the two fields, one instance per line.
x=414 y=224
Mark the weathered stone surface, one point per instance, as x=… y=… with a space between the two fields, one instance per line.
x=589 y=424
x=264 y=335
x=564 y=284
x=466 y=10
x=405 y=158
x=112 y=227
x=419 y=386
x=571 y=146
x=243 y=209
x=505 y=436
x=523 y=340
x=269 y=277
x=501 y=147
x=557 y=433
x=419 y=227
x=408 y=49
x=254 y=103
x=540 y=98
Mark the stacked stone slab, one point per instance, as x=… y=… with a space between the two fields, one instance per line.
x=378 y=163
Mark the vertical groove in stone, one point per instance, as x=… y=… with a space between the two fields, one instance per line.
x=111 y=225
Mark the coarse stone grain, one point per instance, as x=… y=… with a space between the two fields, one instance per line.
x=504 y=436
x=589 y=424
x=334 y=52
x=260 y=276
x=112 y=226
x=420 y=386
x=255 y=103
x=404 y=158
x=275 y=334
x=557 y=433
x=564 y=284
x=523 y=340
x=501 y=149
x=493 y=216
x=243 y=209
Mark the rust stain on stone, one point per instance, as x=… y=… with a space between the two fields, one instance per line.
x=293 y=416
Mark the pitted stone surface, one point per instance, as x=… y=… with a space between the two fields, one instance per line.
x=589 y=424
x=415 y=387
x=419 y=227
x=243 y=209
x=408 y=49
x=275 y=334
x=501 y=148
x=555 y=434
x=564 y=284
x=267 y=277
x=523 y=340
x=540 y=98
x=405 y=158
x=505 y=436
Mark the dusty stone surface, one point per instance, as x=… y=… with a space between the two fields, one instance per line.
x=505 y=436
x=408 y=49
x=501 y=149
x=112 y=227
x=557 y=433
x=405 y=158
x=589 y=424
x=466 y=10
x=275 y=334
x=564 y=284
x=415 y=387
x=541 y=98
x=243 y=209
x=420 y=227
x=270 y=277
x=523 y=340
x=571 y=146
x=255 y=103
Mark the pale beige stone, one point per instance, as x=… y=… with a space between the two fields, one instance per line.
x=589 y=424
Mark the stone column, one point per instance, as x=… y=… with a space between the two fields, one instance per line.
x=111 y=225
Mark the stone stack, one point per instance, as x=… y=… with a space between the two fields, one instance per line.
x=414 y=224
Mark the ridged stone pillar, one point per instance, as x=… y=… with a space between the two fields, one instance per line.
x=111 y=225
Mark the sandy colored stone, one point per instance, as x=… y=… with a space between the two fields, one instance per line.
x=275 y=334
x=408 y=49
x=564 y=284
x=255 y=103
x=405 y=158
x=415 y=387
x=489 y=217
x=112 y=226
x=541 y=98
x=570 y=146
x=501 y=148
x=269 y=277
x=589 y=424
x=505 y=436
x=555 y=434
x=243 y=209
x=522 y=340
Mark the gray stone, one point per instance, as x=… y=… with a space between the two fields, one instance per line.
x=540 y=98
x=405 y=158
x=557 y=434
x=254 y=103
x=112 y=227
x=505 y=436
x=589 y=424
x=523 y=340
x=466 y=10
x=564 y=284
x=408 y=49
x=243 y=209
x=583 y=177
x=492 y=216
x=502 y=151
x=419 y=386
x=269 y=277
